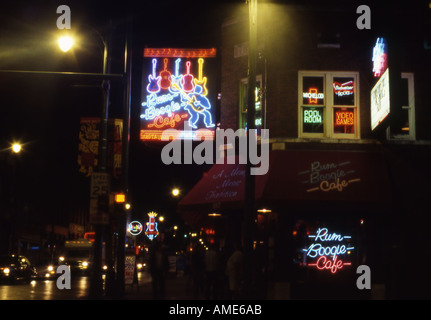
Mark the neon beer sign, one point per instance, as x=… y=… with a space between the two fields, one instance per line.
x=176 y=92
x=380 y=57
x=152 y=232
x=313 y=96
x=344 y=89
x=329 y=251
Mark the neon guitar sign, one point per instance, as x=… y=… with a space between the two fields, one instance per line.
x=328 y=249
x=175 y=95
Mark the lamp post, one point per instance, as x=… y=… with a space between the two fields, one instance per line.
x=249 y=193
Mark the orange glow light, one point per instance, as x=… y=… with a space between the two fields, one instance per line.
x=179 y=53
x=120 y=198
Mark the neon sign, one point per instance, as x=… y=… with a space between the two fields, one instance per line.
x=313 y=96
x=379 y=57
x=135 y=228
x=151 y=232
x=344 y=118
x=344 y=89
x=328 y=249
x=174 y=96
x=312 y=116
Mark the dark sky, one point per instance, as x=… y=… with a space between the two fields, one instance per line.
x=43 y=111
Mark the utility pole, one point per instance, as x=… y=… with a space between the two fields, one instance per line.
x=249 y=208
x=96 y=282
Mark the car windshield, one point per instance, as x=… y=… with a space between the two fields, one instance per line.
x=78 y=254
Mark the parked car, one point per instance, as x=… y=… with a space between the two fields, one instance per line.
x=16 y=267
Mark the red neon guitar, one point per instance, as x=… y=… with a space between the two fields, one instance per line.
x=187 y=82
x=165 y=76
x=154 y=82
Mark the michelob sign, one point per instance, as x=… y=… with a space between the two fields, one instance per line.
x=178 y=87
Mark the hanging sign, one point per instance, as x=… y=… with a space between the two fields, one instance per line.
x=177 y=91
x=135 y=228
x=380 y=57
x=329 y=251
x=151 y=232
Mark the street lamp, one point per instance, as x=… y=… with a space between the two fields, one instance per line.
x=65 y=43
x=16 y=147
x=175 y=192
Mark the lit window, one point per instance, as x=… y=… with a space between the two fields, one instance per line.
x=243 y=97
x=404 y=128
x=328 y=105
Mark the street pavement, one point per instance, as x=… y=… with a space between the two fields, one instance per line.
x=176 y=288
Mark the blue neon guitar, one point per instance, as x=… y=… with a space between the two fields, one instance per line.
x=176 y=79
x=154 y=82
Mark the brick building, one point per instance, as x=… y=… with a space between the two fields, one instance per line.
x=334 y=165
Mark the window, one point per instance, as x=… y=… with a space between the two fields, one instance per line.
x=328 y=105
x=405 y=127
x=243 y=89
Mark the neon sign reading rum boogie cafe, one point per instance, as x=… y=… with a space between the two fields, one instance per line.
x=329 y=251
x=176 y=91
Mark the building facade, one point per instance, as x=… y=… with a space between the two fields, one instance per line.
x=343 y=175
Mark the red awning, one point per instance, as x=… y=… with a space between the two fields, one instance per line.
x=296 y=176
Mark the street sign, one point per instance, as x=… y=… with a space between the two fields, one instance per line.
x=99 y=189
x=129 y=269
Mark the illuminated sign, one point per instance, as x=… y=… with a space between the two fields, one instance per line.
x=344 y=118
x=135 y=228
x=313 y=96
x=151 y=232
x=380 y=100
x=312 y=116
x=380 y=63
x=329 y=176
x=344 y=89
x=329 y=250
x=175 y=92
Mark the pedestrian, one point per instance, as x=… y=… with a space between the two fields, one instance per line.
x=234 y=271
x=159 y=266
x=197 y=270
x=211 y=273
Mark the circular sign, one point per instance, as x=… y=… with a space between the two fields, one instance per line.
x=135 y=228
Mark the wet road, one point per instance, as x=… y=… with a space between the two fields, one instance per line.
x=47 y=289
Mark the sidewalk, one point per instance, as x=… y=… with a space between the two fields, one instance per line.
x=177 y=288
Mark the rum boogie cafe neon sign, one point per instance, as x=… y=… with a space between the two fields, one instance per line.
x=329 y=250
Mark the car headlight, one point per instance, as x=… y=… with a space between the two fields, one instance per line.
x=50 y=268
x=6 y=271
x=61 y=258
x=85 y=264
x=139 y=266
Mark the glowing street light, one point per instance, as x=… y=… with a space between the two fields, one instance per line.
x=16 y=148
x=175 y=192
x=65 y=43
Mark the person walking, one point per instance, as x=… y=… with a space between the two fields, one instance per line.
x=234 y=271
x=211 y=273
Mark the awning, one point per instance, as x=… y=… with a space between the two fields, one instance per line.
x=295 y=176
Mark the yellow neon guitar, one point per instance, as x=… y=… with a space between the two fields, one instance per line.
x=202 y=81
x=190 y=101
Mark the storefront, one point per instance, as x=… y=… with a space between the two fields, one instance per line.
x=319 y=215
